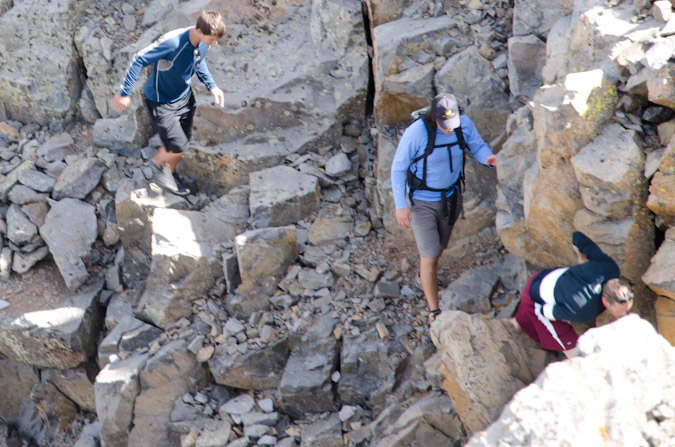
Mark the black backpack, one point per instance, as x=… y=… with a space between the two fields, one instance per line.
x=414 y=182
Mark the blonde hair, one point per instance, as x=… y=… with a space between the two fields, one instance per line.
x=617 y=290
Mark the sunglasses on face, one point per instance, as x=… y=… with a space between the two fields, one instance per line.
x=619 y=300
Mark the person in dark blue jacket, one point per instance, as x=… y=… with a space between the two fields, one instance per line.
x=554 y=298
x=176 y=56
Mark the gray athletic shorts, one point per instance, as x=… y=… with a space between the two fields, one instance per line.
x=431 y=227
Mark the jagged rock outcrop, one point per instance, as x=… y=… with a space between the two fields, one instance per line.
x=600 y=391
x=336 y=323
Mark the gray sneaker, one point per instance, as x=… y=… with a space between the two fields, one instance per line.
x=164 y=178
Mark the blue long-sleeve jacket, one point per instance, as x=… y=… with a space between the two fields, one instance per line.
x=413 y=144
x=577 y=292
x=175 y=64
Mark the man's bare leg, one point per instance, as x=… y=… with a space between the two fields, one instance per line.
x=429 y=280
x=515 y=324
x=162 y=156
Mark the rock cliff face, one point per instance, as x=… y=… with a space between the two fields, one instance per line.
x=598 y=397
x=278 y=305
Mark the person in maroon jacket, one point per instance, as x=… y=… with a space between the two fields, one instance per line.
x=552 y=298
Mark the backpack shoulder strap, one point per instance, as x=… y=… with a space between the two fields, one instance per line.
x=431 y=137
x=460 y=138
x=464 y=148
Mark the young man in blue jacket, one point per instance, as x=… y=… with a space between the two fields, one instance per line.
x=552 y=298
x=177 y=56
x=431 y=178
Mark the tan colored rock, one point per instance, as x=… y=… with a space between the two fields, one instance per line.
x=484 y=366
x=660 y=86
x=666 y=130
x=566 y=117
x=551 y=201
x=57 y=411
x=74 y=384
x=569 y=115
x=660 y=277
x=8 y=132
x=205 y=353
x=383 y=11
x=619 y=378
x=630 y=242
x=665 y=318
x=327 y=230
x=610 y=172
x=662 y=190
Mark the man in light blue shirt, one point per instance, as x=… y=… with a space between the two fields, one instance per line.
x=432 y=182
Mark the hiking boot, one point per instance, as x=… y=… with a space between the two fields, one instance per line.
x=182 y=189
x=433 y=314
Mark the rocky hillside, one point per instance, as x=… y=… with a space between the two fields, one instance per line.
x=279 y=305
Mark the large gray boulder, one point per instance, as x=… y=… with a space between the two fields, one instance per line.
x=17 y=380
x=70 y=240
x=169 y=374
x=255 y=370
x=537 y=17
x=368 y=368
x=58 y=330
x=184 y=263
x=478 y=88
x=51 y=96
x=429 y=420
x=134 y=209
x=282 y=196
x=306 y=383
x=263 y=256
x=116 y=388
x=288 y=101
x=527 y=56
x=403 y=69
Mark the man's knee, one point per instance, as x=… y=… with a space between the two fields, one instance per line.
x=429 y=262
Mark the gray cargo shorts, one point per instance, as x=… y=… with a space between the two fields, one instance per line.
x=431 y=227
